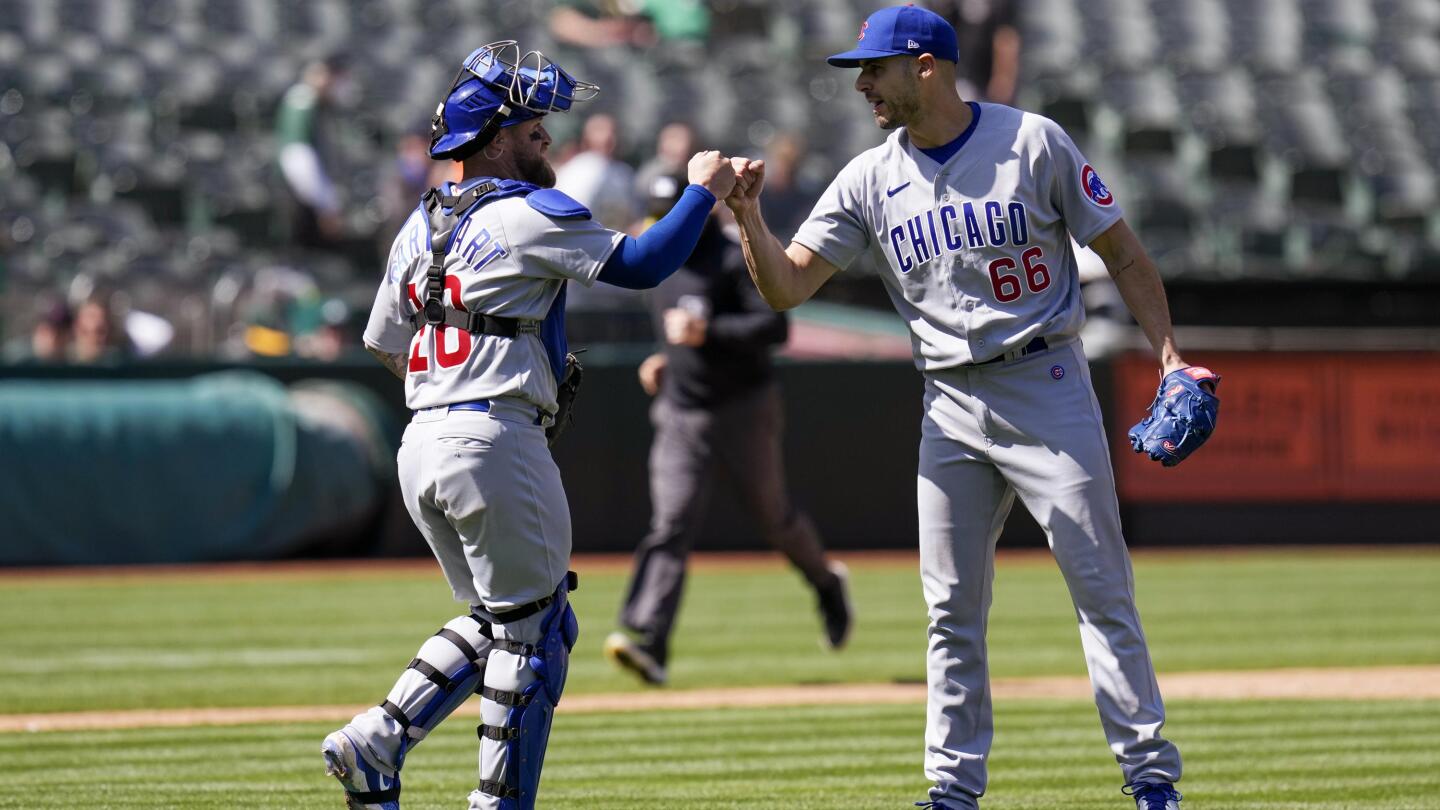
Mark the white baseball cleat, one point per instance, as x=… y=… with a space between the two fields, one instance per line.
x=366 y=788
x=631 y=656
x=1153 y=795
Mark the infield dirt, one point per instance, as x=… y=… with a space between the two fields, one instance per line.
x=1360 y=683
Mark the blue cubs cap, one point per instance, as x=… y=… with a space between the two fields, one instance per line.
x=901 y=30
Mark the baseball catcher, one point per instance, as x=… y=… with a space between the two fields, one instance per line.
x=471 y=315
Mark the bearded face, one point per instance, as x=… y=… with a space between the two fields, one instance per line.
x=531 y=145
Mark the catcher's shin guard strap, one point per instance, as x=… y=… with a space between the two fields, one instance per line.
x=496 y=733
x=432 y=674
x=461 y=643
x=494 y=788
x=399 y=716
x=504 y=698
x=376 y=796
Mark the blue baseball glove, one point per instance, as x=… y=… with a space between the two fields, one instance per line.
x=1181 y=418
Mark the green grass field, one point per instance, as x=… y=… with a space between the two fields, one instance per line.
x=170 y=641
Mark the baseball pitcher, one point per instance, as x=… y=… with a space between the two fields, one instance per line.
x=471 y=315
x=971 y=207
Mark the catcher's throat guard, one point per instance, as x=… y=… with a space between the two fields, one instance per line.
x=496 y=87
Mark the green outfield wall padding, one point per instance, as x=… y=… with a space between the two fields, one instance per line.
x=222 y=466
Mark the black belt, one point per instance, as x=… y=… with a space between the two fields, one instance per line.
x=478 y=323
x=1036 y=345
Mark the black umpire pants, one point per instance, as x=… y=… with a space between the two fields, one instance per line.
x=738 y=440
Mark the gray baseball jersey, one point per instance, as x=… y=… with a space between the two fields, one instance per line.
x=507 y=259
x=979 y=258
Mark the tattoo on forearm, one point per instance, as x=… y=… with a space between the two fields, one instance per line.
x=394 y=362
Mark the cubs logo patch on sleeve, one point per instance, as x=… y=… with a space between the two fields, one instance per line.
x=1095 y=188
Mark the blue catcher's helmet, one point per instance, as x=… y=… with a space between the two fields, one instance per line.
x=497 y=87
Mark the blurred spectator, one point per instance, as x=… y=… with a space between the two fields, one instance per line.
x=411 y=174
x=96 y=339
x=989 y=37
x=789 y=196
x=49 y=341
x=597 y=179
x=280 y=306
x=678 y=20
x=602 y=24
x=303 y=145
x=674 y=147
x=327 y=339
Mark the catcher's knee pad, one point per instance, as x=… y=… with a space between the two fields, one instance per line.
x=447 y=670
x=524 y=678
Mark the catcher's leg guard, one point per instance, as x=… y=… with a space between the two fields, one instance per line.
x=524 y=677
x=448 y=669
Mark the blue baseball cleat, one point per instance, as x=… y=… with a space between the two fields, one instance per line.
x=1153 y=795
x=366 y=788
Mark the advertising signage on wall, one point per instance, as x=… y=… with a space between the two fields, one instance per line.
x=1296 y=426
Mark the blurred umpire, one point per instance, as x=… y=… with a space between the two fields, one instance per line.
x=717 y=414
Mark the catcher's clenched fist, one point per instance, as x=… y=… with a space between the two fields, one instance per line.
x=1181 y=418
x=714 y=172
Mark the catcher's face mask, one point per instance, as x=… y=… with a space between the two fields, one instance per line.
x=497 y=87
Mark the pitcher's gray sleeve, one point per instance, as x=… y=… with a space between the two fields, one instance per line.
x=837 y=229
x=551 y=247
x=1086 y=204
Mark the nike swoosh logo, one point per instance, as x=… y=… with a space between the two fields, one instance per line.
x=893 y=191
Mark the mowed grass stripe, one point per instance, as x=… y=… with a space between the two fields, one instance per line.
x=1048 y=755
x=88 y=642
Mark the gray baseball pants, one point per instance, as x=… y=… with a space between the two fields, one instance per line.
x=486 y=495
x=738 y=440
x=1029 y=427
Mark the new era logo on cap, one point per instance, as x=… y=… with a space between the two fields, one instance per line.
x=912 y=44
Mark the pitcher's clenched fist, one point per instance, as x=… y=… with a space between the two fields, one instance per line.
x=711 y=170
x=749 y=180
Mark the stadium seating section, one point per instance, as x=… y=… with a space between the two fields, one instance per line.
x=1275 y=139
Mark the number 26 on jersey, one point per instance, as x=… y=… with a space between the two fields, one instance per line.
x=446 y=355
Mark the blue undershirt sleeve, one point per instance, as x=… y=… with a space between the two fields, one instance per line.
x=640 y=263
